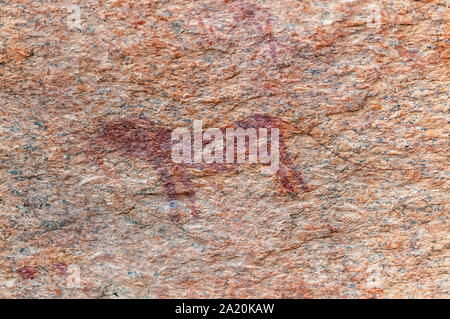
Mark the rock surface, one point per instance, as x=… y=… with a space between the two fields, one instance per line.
x=363 y=85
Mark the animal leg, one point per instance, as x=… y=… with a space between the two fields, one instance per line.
x=180 y=173
x=290 y=174
x=169 y=187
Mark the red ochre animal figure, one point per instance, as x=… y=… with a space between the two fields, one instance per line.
x=145 y=140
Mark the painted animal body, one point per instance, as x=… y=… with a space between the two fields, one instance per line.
x=143 y=139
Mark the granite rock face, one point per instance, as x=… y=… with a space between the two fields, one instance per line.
x=360 y=89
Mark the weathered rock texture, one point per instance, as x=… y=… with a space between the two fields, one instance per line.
x=363 y=85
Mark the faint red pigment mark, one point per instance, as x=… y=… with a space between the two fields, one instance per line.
x=143 y=139
x=265 y=34
x=252 y=18
x=26 y=272
x=203 y=29
x=59 y=268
